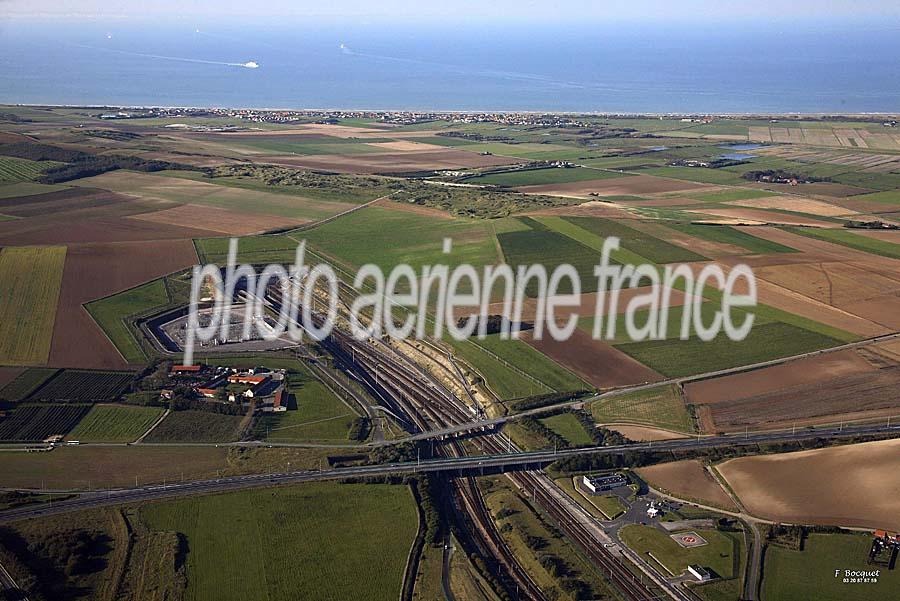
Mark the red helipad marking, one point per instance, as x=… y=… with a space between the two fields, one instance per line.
x=689 y=539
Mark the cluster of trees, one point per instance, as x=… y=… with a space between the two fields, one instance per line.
x=870 y=225
x=781 y=176
x=599 y=436
x=95 y=165
x=359 y=429
x=111 y=134
x=476 y=137
x=287 y=177
x=542 y=400
x=493 y=323
x=181 y=403
x=48 y=567
x=474 y=202
x=537 y=427
x=80 y=164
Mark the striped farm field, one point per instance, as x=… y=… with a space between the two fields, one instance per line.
x=115 y=423
x=20 y=170
x=39 y=421
x=30 y=279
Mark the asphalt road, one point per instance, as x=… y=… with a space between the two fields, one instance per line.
x=465 y=463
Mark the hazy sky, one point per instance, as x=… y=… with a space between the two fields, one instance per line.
x=576 y=11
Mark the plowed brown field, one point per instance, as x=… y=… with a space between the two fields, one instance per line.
x=688 y=480
x=595 y=361
x=219 y=220
x=866 y=395
x=853 y=485
x=771 y=379
x=93 y=271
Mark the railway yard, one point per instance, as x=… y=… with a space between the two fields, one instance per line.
x=434 y=468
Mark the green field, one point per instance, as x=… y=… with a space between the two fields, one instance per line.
x=21 y=170
x=846 y=237
x=604 y=507
x=661 y=406
x=695 y=174
x=810 y=574
x=251 y=249
x=677 y=358
x=27 y=189
x=644 y=245
x=537 y=152
x=728 y=235
x=568 y=426
x=550 y=249
x=112 y=312
x=530 y=537
x=323 y=541
x=196 y=426
x=115 y=423
x=319 y=415
x=591 y=240
x=722 y=555
x=535 y=177
x=507 y=383
x=530 y=361
x=730 y=195
x=388 y=237
x=30 y=279
x=891 y=197
x=196 y=189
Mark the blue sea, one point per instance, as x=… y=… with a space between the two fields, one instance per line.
x=751 y=67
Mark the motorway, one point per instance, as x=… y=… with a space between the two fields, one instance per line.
x=452 y=464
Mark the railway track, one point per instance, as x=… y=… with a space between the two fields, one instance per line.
x=427 y=405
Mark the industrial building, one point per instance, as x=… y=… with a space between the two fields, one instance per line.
x=597 y=484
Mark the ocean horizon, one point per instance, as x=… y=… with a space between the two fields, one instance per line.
x=809 y=68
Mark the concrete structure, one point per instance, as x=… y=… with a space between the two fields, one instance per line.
x=700 y=573
x=597 y=484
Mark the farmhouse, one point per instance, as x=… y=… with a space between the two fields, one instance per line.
x=252 y=380
x=275 y=403
x=597 y=484
x=185 y=369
